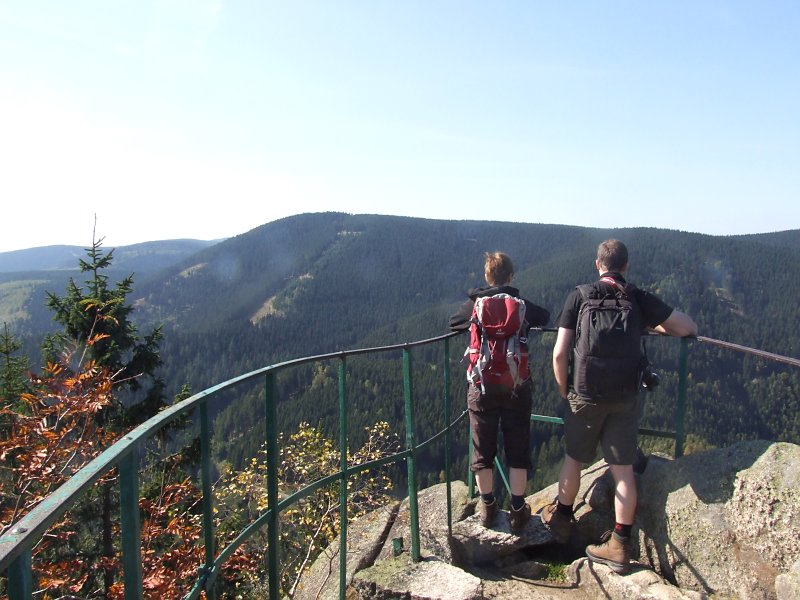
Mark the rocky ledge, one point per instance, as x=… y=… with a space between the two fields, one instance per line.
x=718 y=524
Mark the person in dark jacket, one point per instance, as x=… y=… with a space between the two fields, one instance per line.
x=510 y=411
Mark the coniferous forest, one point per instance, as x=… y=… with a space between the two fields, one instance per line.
x=320 y=283
x=324 y=283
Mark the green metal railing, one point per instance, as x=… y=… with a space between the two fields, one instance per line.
x=679 y=433
x=16 y=545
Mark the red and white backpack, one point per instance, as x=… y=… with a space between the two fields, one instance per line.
x=498 y=348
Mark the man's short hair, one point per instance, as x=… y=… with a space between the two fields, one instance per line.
x=613 y=255
x=498 y=269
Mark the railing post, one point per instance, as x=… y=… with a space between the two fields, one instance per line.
x=680 y=410
x=20 y=577
x=208 y=502
x=343 y=480
x=447 y=435
x=130 y=524
x=272 y=486
x=410 y=445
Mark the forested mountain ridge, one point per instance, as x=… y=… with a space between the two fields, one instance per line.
x=319 y=283
x=332 y=281
x=337 y=264
x=26 y=275
x=142 y=258
x=785 y=239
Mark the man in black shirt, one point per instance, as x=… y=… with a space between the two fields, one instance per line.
x=612 y=422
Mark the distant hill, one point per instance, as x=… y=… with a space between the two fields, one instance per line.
x=780 y=239
x=141 y=258
x=26 y=275
x=335 y=265
x=324 y=282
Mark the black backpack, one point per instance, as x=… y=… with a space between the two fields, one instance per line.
x=607 y=359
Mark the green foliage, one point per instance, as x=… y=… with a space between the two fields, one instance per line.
x=96 y=323
x=13 y=371
x=14 y=299
x=556 y=572
x=310 y=525
x=102 y=313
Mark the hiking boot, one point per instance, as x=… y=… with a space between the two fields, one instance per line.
x=517 y=519
x=613 y=550
x=487 y=512
x=558 y=524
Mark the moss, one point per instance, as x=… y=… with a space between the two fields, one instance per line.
x=556 y=572
x=385 y=572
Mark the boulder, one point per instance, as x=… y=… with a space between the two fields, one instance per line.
x=433 y=530
x=594 y=507
x=474 y=544
x=429 y=579
x=365 y=539
x=787 y=585
x=725 y=521
x=599 y=581
x=722 y=523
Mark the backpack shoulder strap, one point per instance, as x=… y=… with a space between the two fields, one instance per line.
x=588 y=290
x=624 y=289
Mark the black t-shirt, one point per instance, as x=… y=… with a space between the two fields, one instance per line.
x=654 y=310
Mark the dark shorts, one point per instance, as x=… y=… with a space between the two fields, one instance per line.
x=513 y=416
x=614 y=426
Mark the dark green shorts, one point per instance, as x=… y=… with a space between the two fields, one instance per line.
x=612 y=425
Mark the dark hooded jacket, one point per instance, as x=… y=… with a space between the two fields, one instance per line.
x=535 y=316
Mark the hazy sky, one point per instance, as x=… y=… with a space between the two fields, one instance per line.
x=206 y=118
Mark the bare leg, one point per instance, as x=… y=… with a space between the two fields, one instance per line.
x=485 y=481
x=569 y=480
x=625 y=497
x=518 y=480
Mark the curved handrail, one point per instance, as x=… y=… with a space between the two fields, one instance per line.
x=26 y=532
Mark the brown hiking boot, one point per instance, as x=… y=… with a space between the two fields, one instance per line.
x=487 y=512
x=517 y=519
x=558 y=524
x=613 y=550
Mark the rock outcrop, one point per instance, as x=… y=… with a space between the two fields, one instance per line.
x=430 y=578
x=433 y=528
x=365 y=540
x=723 y=523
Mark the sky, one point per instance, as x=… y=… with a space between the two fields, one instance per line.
x=142 y=120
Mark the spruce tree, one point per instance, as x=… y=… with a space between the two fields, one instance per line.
x=100 y=312
x=13 y=373
x=96 y=321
